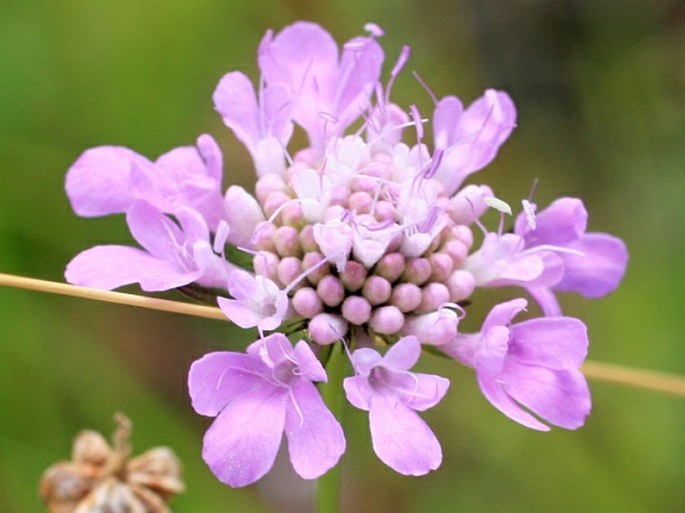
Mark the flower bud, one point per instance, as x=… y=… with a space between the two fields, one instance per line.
x=406 y=296
x=353 y=276
x=433 y=296
x=417 y=271
x=327 y=328
x=356 y=309
x=387 y=320
x=390 y=266
x=330 y=290
x=376 y=290
x=307 y=302
x=287 y=241
x=268 y=184
x=288 y=269
x=461 y=285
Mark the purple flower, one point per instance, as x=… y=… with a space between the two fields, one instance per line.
x=255 y=398
x=257 y=301
x=173 y=255
x=391 y=394
x=109 y=179
x=534 y=364
x=329 y=93
x=470 y=138
x=593 y=263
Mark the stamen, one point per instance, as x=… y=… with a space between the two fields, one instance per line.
x=425 y=87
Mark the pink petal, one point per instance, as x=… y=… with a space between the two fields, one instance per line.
x=494 y=393
x=110 y=267
x=561 y=397
x=315 y=438
x=238 y=312
x=561 y=223
x=401 y=439
x=599 y=270
x=217 y=378
x=234 y=98
x=158 y=234
x=98 y=183
x=552 y=342
x=242 y=443
x=403 y=355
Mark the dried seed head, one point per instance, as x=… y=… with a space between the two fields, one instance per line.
x=103 y=478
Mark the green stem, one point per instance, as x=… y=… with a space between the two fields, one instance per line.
x=328 y=486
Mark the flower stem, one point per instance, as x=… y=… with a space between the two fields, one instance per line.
x=328 y=486
x=108 y=296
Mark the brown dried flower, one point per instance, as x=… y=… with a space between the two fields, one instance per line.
x=103 y=479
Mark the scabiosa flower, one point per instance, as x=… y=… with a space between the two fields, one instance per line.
x=364 y=237
x=391 y=394
x=534 y=363
x=256 y=397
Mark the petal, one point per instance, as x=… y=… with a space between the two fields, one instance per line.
x=98 y=183
x=553 y=342
x=360 y=68
x=158 y=234
x=503 y=313
x=211 y=155
x=109 y=267
x=364 y=359
x=599 y=270
x=493 y=392
x=234 y=98
x=217 y=378
x=426 y=391
x=445 y=116
x=242 y=285
x=242 y=443
x=561 y=397
x=544 y=297
x=238 y=312
x=562 y=222
x=475 y=137
x=403 y=355
x=315 y=438
x=243 y=214
x=308 y=365
x=401 y=439
x=358 y=391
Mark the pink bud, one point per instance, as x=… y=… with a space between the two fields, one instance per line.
x=360 y=202
x=417 y=271
x=376 y=290
x=268 y=184
x=442 y=266
x=390 y=266
x=243 y=214
x=353 y=276
x=264 y=237
x=330 y=290
x=307 y=302
x=327 y=328
x=387 y=320
x=384 y=211
x=356 y=309
x=340 y=195
x=292 y=214
x=457 y=250
x=310 y=260
x=266 y=264
x=406 y=296
x=274 y=201
x=461 y=285
x=435 y=328
x=287 y=241
x=307 y=239
x=433 y=296
x=288 y=269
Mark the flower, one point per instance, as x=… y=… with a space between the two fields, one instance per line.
x=534 y=364
x=593 y=263
x=391 y=394
x=363 y=236
x=173 y=256
x=257 y=396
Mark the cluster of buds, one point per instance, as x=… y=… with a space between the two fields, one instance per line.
x=358 y=239
x=101 y=478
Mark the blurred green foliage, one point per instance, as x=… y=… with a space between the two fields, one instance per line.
x=600 y=89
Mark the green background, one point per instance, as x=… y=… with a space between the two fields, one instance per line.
x=600 y=91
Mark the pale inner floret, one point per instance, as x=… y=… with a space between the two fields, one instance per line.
x=372 y=243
